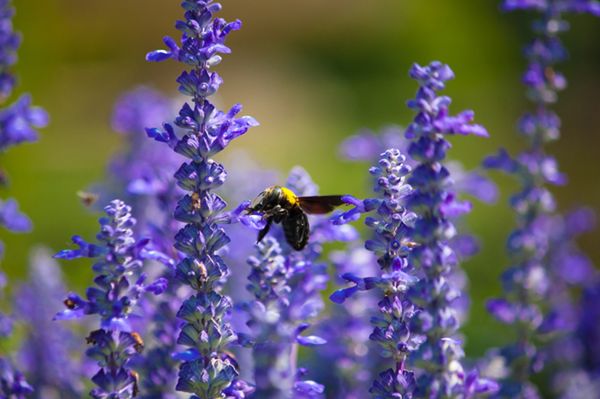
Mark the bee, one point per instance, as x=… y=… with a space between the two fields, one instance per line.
x=281 y=205
x=88 y=199
x=139 y=342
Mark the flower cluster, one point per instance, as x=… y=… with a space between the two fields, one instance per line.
x=392 y=326
x=435 y=204
x=414 y=252
x=119 y=285
x=18 y=120
x=208 y=370
x=286 y=286
x=17 y=125
x=143 y=175
x=529 y=282
x=48 y=353
x=12 y=381
x=349 y=365
x=397 y=335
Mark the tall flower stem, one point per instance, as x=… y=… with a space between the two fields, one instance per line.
x=435 y=205
x=119 y=284
x=527 y=282
x=286 y=285
x=18 y=123
x=208 y=370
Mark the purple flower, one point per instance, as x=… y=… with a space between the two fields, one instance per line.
x=12 y=382
x=346 y=367
x=119 y=284
x=48 y=348
x=207 y=370
x=9 y=44
x=142 y=174
x=286 y=286
x=392 y=330
x=537 y=299
x=435 y=293
x=18 y=120
x=12 y=219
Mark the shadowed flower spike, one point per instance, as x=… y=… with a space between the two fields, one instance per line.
x=536 y=299
x=119 y=284
x=435 y=293
x=208 y=370
x=47 y=352
x=17 y=120
x=143 y=174
x=17 y=123
x=12 y=381
x=349 y=363
x=286 y=286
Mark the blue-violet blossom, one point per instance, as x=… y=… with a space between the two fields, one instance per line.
x=435 y=204
x=286 y=285
x=527 y=283
x=119 y=284
x=208 y=370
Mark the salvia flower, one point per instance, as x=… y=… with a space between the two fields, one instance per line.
x=347 y=366
x=208 y=370
x=119 y=284
x=12 y=381
x=142 y=174
x=18 y=120
x=9 y=44
x=286 y=286
x=434 y=203
x=47 y=354
x=570 y=354
x=392 y=330
x=530 y=282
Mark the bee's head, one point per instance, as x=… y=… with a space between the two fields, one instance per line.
x=265 y=200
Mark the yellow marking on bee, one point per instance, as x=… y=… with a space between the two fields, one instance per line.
x=289 y=195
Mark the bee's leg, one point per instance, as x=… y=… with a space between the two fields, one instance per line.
x=264 y=231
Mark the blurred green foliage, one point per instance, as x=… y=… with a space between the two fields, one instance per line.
x=312 y=72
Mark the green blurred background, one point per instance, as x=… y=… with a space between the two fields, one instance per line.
x=312 y=72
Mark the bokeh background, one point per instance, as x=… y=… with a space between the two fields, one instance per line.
x=312 y=72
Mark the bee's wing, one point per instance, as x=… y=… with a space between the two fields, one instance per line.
x=320 y=204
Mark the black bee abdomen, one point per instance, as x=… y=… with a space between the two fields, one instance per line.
x=296 y=228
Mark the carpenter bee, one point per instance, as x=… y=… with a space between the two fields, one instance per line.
x=281 y=205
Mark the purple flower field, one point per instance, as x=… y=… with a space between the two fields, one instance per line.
x=208 y=280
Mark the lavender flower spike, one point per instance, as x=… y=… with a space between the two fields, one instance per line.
x=286 y=285
x=528 y=284
x=440 y=354
x=46 y=355
x=18 y=120
x=119 y=286
x=12 y=382
x=392 y=326
x=207 y=371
